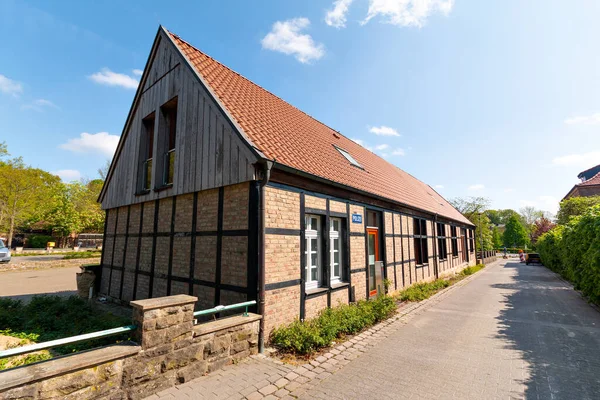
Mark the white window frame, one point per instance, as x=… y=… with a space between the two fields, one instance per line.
x=333 y=237
x=310 y=234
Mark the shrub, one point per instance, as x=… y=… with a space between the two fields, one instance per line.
x=422 y=291
x=306 y=337
x=39 y=241
x=471 y=270
x=573 y=250
x=82 y=254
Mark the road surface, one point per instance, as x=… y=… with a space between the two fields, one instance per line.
x=24 y=284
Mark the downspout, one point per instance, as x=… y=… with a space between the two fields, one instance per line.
x=267 y=165
x=435 y=252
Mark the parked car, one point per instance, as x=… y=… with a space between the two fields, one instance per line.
x=4 y=253
x=533 y=258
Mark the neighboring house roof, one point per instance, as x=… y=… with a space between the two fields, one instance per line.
x=593 y=181
x=589 y=173
x=293 y=138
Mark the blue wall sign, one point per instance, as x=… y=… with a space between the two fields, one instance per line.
x=356 y=219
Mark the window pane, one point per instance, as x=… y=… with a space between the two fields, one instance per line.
x=313 y=274
x=336 y=270
x=313 y=259
x=336 y=257
x=336 y=245
x=314 y=245
x=336 y=225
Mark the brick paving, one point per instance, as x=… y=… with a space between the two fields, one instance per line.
x=510 y=331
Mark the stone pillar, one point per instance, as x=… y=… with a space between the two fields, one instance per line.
x=165 y=333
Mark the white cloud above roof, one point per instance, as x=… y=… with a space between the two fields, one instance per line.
x=593 y=119
x=10 y=86
x=383 y=131
x=101 y=143
x=406 y=12
x=110 y=78
x=336 y=16
x=286 y=37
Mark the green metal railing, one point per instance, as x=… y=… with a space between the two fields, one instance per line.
x=17 y=351
x=219 y=309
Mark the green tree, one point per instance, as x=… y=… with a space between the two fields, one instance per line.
x=496 y=238
x=474 y=208
x=24 y=192
x=515 y=234
x=575 y=206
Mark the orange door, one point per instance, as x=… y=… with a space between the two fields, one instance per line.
x=373 y=246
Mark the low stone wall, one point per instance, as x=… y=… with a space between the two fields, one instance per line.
x=170 y=350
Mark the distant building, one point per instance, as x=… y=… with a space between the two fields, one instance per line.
x=589 y=186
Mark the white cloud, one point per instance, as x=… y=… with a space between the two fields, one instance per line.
x=580 y=160
x=137 y=72
x=381 y=147
x=509 y=190
x=68 y=175
x=593 y=119
x=383 y=131
x=336 y=17
x=40 y=105
x=286 y=37
x=362 y=143
x=101 y=142
x=399 y=152
x=476 y=187
x=9 y=86
x=406 y=12
x=439 y=186
x=107 y=77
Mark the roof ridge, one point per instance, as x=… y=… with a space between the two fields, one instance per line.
x=259 y=86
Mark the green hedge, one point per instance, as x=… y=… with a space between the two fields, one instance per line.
x=573 y=250
x=309 y=336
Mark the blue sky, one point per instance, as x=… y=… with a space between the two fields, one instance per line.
x=476 y=98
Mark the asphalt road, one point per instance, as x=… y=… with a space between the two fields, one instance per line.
x=24 y=284
x=49 y=257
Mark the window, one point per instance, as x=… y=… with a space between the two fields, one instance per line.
x=313 y=251
x=335 y=249
x=349 y=157
x=168 y=140
x=471 y=241
x=146 y=152
x=442 y=242
x=420 y=235
x=454 y=241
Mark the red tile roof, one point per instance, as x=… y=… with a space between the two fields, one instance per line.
x=291 y=137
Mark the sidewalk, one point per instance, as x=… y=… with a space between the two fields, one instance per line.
x=261 y=377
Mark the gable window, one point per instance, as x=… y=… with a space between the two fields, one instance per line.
x=168 y=140
x=348 y=157
x=146 y=152
x=313 y=251
x=420 y=238
x=454 y=241
x=442 y=242
x=335 y=240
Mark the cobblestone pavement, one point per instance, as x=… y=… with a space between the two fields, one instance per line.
x=510 y=331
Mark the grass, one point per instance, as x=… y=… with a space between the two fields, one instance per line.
x=422 y=291
x=69 y=255
x=47 y=318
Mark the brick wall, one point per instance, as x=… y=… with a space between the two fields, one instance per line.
x=167 y=242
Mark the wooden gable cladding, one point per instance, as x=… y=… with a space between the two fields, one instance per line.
x=209 y=152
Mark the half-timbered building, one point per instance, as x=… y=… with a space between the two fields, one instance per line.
x=224 y=191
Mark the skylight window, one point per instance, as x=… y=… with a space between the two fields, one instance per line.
x=348 y=157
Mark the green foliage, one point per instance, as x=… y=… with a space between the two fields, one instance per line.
x=496 y=237
x=573 y=250
x=500 y=217
x=12 y=362
x=82 y=254
x=575 y=206
x=515 y=233
x=422 y=291
x=471 y=270
x=39 y=241
x=47 y=318
x=308 y=336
